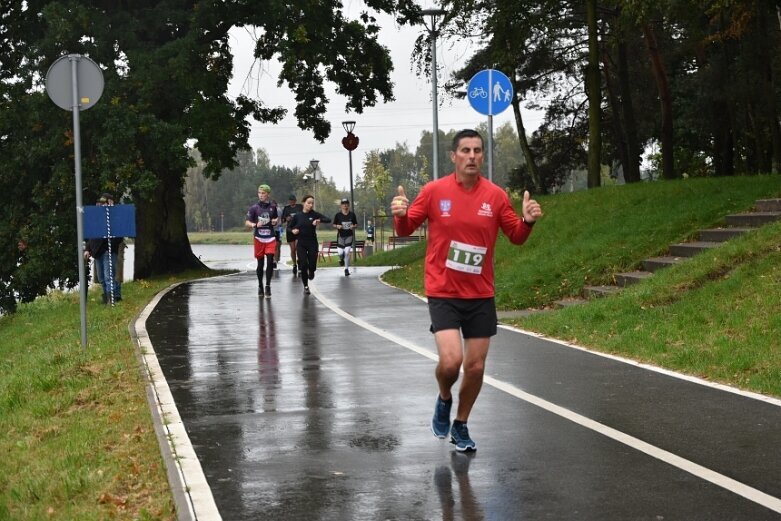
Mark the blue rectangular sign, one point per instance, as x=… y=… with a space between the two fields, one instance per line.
x=120 y=219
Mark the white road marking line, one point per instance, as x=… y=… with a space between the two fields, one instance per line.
x=734 y=486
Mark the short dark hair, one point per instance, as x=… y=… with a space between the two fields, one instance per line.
x=467 y=132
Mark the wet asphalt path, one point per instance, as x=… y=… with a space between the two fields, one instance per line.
x=318 y=408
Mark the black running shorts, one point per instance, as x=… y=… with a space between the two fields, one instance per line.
x=476 y=318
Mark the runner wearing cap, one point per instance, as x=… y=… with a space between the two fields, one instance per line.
x=262 y=217
x=345 y=222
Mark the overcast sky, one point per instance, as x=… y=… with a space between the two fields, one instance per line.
x=380 y=127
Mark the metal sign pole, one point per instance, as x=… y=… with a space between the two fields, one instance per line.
x=490 y=148
x=74 y=61
x=75 y=82
x=490 y=125
x=490 y=92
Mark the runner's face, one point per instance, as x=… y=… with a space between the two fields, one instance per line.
x=309 y=204
x=468 y=157
x=263 y=195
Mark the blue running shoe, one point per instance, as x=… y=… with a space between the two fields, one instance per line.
x=459 y=436
x=440 y=423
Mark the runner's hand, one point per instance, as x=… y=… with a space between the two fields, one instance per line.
x=530 y=208
x=400 y=203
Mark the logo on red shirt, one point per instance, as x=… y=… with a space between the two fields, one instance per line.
x=444 y=206
x=485 y=210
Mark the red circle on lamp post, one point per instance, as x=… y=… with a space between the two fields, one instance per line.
x=350 y=141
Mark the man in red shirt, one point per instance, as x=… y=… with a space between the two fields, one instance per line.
x=464 y=212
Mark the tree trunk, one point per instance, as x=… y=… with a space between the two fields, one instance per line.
x=632 y=170
x=162 y=246
x=615 y=104
x=524 y=142
x=665 y=100
x=768 y=84
x=594 y=98
x=723 y=142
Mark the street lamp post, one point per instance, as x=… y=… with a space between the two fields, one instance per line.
x=433 y=32
x=350 y=142
x=313 y=165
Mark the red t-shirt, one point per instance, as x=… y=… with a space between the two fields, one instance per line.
x=463 y=226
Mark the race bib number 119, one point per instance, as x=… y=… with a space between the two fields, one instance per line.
x=465 y=257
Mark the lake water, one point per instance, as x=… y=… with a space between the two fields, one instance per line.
x=215 y=256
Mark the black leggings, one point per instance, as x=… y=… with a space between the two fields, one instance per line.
x=269 y=269
x=307 y=259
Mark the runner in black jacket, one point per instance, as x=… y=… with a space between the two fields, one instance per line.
x=304 y=226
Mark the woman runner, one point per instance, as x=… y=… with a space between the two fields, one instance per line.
x=304 y=226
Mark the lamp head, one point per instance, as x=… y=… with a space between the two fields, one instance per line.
x=348 y=126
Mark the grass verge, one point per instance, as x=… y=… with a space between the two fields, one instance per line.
x=78 y=441
x=715 y=316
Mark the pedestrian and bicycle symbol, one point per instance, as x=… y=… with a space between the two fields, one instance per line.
x=490 y=92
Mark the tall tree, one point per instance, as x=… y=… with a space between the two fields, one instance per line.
x=593 y=92
x=166 y=65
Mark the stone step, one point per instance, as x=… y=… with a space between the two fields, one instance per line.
x=690 y=249
x=722 y=234
x=517 y=313
x=599 y=291
x=656 y=263
x=752 y=218
x=768 y=205
x=569 y=302
x=631 y=277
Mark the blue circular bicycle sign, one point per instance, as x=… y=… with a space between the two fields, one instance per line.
x=489 y=92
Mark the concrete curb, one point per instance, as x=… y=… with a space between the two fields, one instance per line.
x=191 y=492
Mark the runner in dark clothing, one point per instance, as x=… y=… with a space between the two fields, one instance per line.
x=304 y=226
x=288 y=212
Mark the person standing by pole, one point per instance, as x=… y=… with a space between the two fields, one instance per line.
x=105 y=251
x=262 y=218
x=465 y=212
x=345 y=222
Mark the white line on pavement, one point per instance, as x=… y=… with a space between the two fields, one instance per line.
x=734 y=486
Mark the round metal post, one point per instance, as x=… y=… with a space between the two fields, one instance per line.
x=313 y=165
x=350 y=143
x=74 y=62
x=433 y=33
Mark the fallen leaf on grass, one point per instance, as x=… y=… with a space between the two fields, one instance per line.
x=119 y=501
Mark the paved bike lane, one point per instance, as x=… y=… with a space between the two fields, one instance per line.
x=318 y=407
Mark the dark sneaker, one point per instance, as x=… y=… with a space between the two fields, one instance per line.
x=268 y=291
x=346 y=272
x=311 y=274
x=275 y=265
x=459 y=436
x=306 y=290
x=440 y=423
x=295 y=270
x=261 y=293
x=341 y=261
